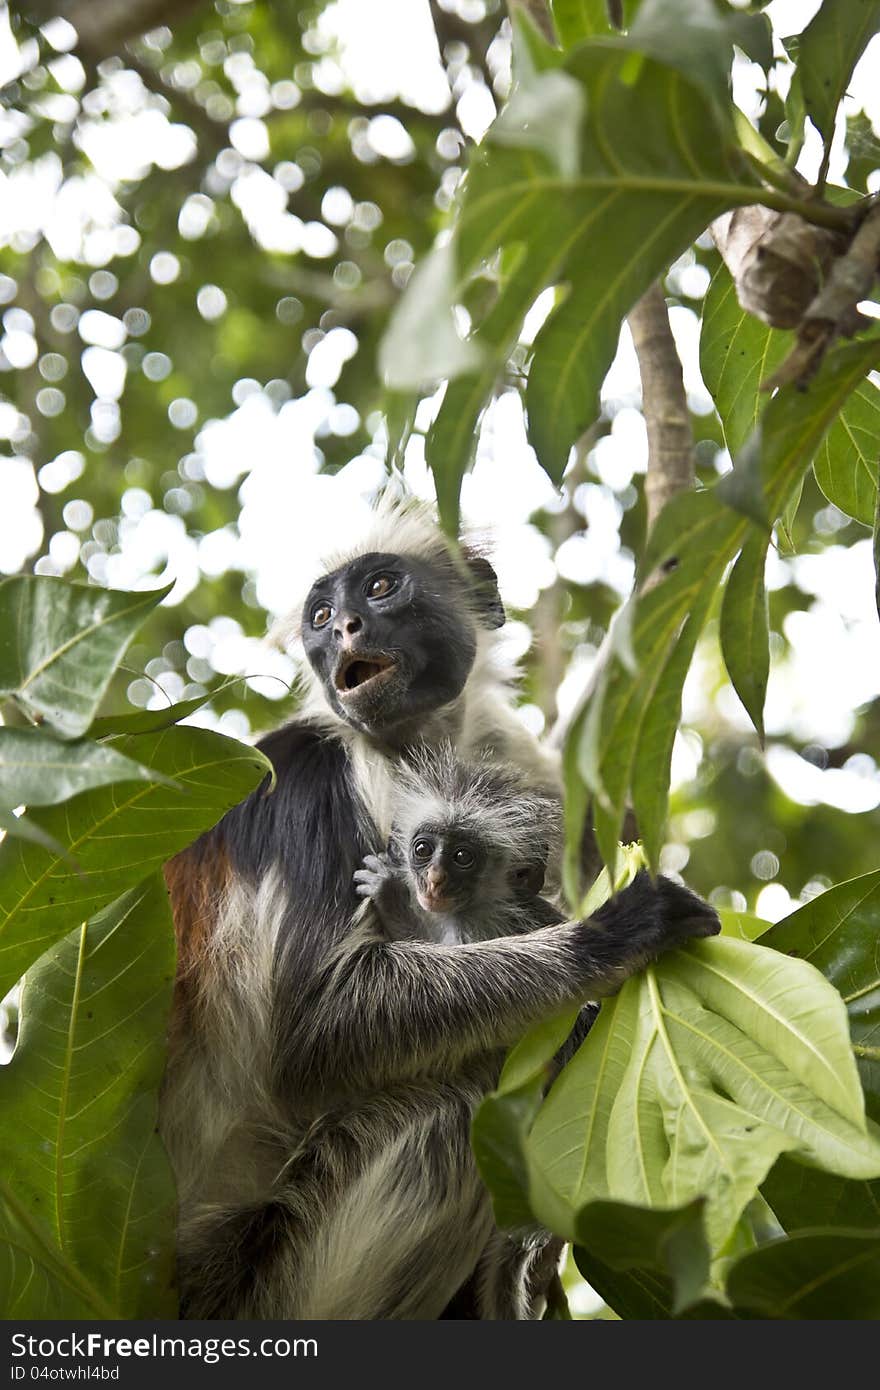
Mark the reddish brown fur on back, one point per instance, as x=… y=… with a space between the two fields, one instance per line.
x=197 y=880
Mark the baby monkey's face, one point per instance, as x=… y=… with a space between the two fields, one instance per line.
x=448 y=867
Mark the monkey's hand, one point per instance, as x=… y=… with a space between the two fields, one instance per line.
x=660 y=909
x=375 y=873
x=644 y=920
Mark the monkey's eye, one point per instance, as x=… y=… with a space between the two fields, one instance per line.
x=321 y=615
x=464 y=858
x=380 y=585
x=422 y=851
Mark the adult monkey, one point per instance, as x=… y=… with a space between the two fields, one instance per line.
x=321 y=1078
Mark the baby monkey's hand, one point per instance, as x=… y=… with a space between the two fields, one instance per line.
x=372 y=875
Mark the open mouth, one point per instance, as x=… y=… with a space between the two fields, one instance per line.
x=356 y=670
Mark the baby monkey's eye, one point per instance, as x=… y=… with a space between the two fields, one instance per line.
x=422 y=850
x=321 y=615
x=464 y=858
x=380 y=585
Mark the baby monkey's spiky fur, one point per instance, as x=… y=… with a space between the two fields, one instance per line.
x=467 y=854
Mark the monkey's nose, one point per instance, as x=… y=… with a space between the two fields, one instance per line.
x=436 y=876
x=349 y=625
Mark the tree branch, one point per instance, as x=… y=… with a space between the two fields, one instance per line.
x=664 y=403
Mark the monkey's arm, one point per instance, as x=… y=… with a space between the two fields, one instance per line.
x=378 y=1012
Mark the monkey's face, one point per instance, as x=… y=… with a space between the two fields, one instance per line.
x=391 y=637
x=448 y=868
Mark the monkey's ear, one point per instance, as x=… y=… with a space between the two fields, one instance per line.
x=490 y=609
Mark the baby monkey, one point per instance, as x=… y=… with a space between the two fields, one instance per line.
x=467 y=854
x=465 y=862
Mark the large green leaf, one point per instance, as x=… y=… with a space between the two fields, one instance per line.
x=847 y=462
x=116 y=835
x=838 y=933
x=813 y=1274
x=79 y=1147
x=737 y=355
x=657 y=165
x=39 y=770
x=745 y=630
x=694 y=1079
x=829 y=49
x=60 y=644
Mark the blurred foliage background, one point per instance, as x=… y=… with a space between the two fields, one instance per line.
x=207 y=211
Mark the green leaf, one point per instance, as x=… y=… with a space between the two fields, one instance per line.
x=829 y=49
x=795 y=111
x=580 y=19
x=545 y=115
x=502 y=1120
x=790 y=431
x=658 y=160
x=745 y=627
x=40 y=770
x=422 y=342
x=634 y=717
x=658 y=163
x=697 y=37
x=451 y=441
x=812 y=1274
x=847 y=462
x=116 y=835
x=644 y=1262
x=576 y=808
x=23 y=828
x=785 y=522
x=803 y=1197
x=79 y=1145
x=688 y=549
x=737 y=354
x=692 y=1082
x=649 y=773
x=863 y=149
x=60 y=644
x=837 y=932
x=743 y=926
x=875 y=550
x=150 y=721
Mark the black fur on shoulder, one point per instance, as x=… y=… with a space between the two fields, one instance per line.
x=307 y=828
